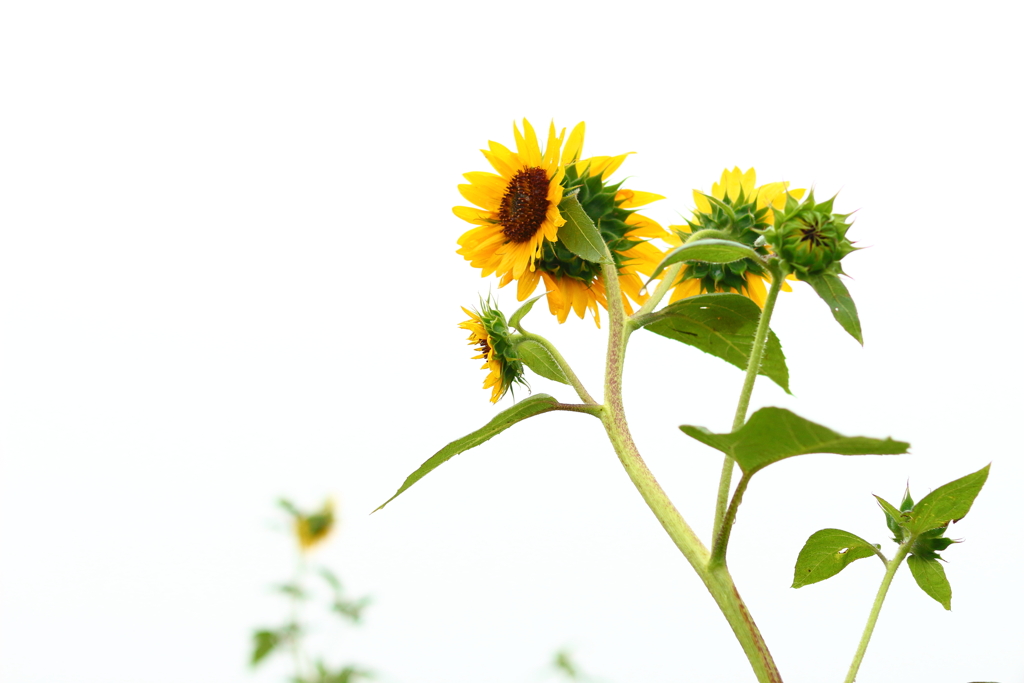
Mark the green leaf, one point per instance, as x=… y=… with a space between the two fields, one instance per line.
x=931 y=577
x=292 y=589
x=264 y=643
x=540 y=360
x=518 y=316
x=722 y=325
x=534 y=405
x=948 y=503
x=834 y=293
x=826 y=553
x=707 y=250
x=579 y=234
x=774 y=434
x=331 y=578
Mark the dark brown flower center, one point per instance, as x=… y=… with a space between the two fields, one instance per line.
x=525 y=204
x=812 y=233
x=484 y=348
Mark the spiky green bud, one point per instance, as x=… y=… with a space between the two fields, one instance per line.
x=809 y=238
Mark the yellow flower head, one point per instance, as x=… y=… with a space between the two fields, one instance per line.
x=489 y=333
x=313 y=528
x=737 y=206
x=574 y=284
x=517 y=206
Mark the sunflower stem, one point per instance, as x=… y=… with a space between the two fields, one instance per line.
x=563 y=364
x=716 y=579
x=753 y=367
x=890 y=571
x=668 y=279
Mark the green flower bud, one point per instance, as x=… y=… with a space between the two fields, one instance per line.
x=809 y=238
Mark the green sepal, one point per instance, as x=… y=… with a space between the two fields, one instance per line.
x=722 y=325
x=931 y=577
x=707 y=250
x=539 y=359
x=521 y=312
x=828 y=552
x=774 y=434
x=834 y=293
x=579 y=234
x=949 y=503
x=528 y=407
x=907 y=503
x=894 y=519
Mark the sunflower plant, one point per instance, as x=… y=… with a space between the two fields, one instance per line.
x=552 y=216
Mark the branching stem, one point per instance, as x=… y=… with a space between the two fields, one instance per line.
x=753 y=367
x=716 y=579
x=581 y=391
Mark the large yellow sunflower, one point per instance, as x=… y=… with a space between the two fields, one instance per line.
x=750 y=212
x=573 y=284
x=489 y=333
x=518 y=205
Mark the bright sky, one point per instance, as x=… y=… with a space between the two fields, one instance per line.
x=228 y=274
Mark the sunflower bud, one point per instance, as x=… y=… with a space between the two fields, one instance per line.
x=311 y=529
x=809 y=238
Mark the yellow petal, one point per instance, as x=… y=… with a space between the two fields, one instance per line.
x=703 y=205
x=574 y=146
x=472 y=215
x=633 y=198
x=478 y=196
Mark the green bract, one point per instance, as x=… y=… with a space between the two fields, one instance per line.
x=809 y=238
x=744 y=223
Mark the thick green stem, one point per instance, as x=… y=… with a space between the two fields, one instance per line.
x=890 y=571
x=753 y=367
x=718 y=581
x=581 y=391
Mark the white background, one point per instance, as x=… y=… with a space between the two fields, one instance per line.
x=228 y=274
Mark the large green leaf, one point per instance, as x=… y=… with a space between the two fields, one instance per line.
x=931 y=577
x=709 y=251
x=947 y=503
x=521 y=312
x=528 y=407
x=774 y=434
x=540 y=360
x=579 y=234
x=724 y=326
x=826 y=553
x=834 y=293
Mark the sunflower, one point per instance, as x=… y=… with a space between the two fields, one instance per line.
x=313 y=528
x=517 y=206
x=489 y=333
x=743 y=210
x=574 y=284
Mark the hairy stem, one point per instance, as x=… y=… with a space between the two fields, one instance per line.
x=890 y=571
x=718 y=581
x=753 y=367
x=581 y=391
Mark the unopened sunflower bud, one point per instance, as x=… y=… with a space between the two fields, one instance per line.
x=312 y=528
x=809 y=238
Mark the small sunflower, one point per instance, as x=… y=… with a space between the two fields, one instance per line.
x=743 y=210
x=518 y=205
x=574 y=284
x=313 y=528
x=489 y=333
